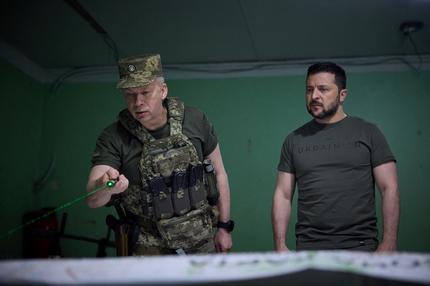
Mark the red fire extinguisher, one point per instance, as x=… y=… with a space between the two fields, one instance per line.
x=41 y=238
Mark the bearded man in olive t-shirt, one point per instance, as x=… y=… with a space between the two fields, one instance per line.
x=335 y=159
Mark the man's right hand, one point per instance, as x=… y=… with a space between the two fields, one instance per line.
x=99 y=176
x=112 y=174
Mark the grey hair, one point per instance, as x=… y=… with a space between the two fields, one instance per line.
x=160 y=79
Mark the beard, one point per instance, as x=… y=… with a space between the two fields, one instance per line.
x=326 y=112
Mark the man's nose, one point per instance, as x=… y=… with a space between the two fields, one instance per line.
x=315 y=94
x=139 y=99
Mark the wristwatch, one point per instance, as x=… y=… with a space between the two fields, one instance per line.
x=228 y=226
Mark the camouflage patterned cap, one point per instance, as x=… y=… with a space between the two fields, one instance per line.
x=138 y=70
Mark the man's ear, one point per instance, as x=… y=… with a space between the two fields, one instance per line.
x=165 y=91
x=342 y=95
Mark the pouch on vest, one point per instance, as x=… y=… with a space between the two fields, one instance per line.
x=180 y=196
x=147 y=203
x=186 y=231
x=162 y=199
x=196 y=187
x=166 y=162
x=210 y=177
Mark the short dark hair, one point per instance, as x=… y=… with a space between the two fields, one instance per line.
x=330 y=67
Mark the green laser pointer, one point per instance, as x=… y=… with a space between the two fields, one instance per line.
x=109 y=184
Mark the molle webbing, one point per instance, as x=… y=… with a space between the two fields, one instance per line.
x=172 y=194
x=162 y=161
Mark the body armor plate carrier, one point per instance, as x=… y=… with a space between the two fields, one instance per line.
x=173 y=194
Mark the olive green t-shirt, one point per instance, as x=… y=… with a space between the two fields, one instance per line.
x=118 y=148
x=333 y=167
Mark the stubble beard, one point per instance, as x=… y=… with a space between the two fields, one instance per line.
x=326 y=112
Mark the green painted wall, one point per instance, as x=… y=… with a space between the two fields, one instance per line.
x=252 y=116
x=21 y=120
x=76 y=114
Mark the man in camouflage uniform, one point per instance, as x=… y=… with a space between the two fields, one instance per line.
x=161 y=154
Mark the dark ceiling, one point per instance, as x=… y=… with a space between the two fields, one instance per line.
x=53 y=35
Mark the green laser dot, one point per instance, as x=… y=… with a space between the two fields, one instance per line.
x=110 y=183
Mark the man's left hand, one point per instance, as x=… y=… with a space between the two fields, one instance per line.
x=223 y=241
x=386 y=247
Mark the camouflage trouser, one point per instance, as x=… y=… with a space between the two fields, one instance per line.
x=150 y=244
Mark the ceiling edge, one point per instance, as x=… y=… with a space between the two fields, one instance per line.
x=214 y=70
x=20 y=61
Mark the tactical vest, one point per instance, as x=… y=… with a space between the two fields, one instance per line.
x=173 y=192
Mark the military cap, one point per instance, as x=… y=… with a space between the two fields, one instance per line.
x=139 y=70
